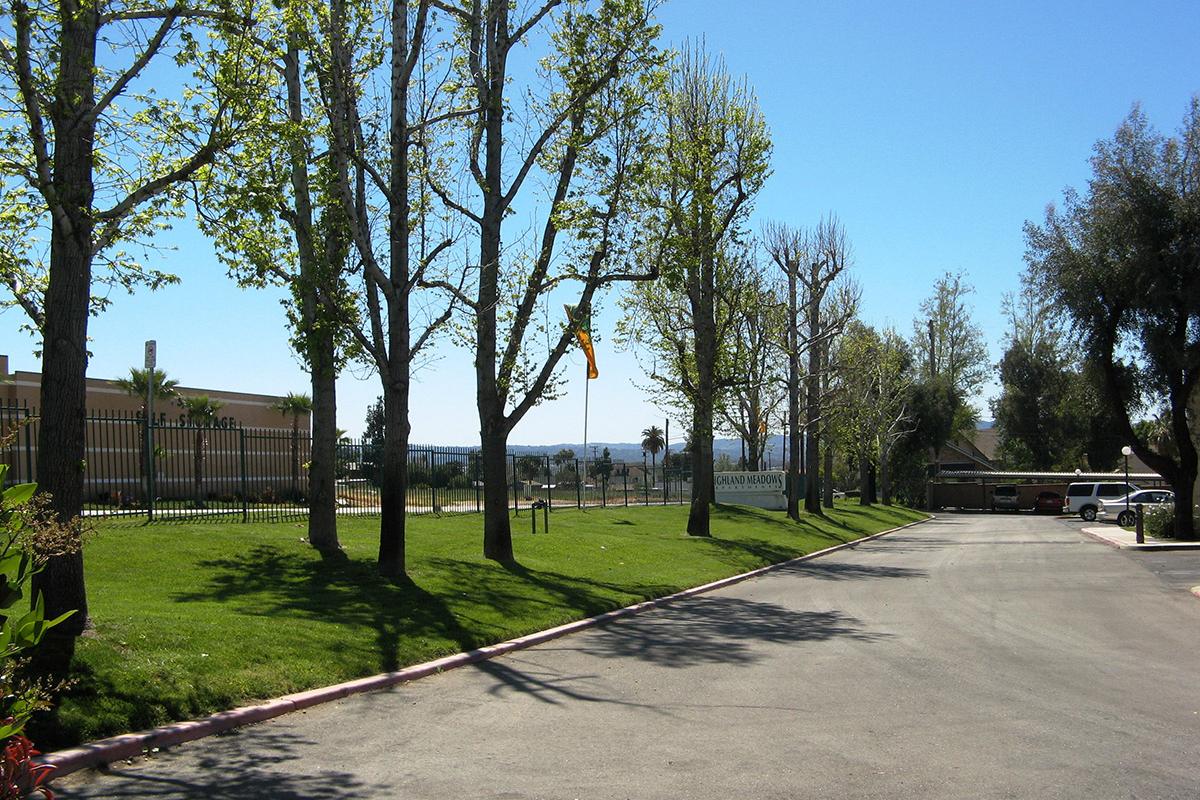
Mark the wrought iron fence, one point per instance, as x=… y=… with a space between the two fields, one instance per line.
x=177 y=471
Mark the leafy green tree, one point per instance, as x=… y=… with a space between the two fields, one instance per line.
x=91 y=160
x=564 y=459
x=948 y=343
x=1033 y=429
x=716 y=158
x=602 y=467
x=876 y=372
x=653 y=443
x=579 y=122
x=295 y=406
x=270 y=208
x=1121 y=260
x=952 y=358
x=200 y=412
x=136 y=385
x=372 y=443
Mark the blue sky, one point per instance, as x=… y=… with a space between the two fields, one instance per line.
x=932 y=130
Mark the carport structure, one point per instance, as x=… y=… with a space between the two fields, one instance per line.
x=972 y=489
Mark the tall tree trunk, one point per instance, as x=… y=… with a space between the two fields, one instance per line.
x=491 y=398
x=497 y=532
x=812 y=497
x=864 y=481
x=393 y=489
x=885 y=475
x=322 y=471
x=705 y=332
x=61 y=429
x=793 y=391
x=317 y=337
x=827 y=477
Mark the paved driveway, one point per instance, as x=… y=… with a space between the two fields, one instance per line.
x=982 y=656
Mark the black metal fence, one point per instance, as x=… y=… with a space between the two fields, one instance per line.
x=173 y=471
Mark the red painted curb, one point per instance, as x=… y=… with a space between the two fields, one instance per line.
x=131 y=745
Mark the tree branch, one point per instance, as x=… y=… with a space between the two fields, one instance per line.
x=152 y=48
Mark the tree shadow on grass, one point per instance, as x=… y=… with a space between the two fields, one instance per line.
x=264 y=763
x=272 y=581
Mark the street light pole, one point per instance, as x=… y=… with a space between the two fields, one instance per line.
x=1127 y=451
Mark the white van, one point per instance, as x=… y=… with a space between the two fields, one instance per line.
x=1084 y=498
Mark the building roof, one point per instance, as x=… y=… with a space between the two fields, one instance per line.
x=1063 y=476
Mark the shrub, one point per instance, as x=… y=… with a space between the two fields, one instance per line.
x=1160 y=522
x=20 y=777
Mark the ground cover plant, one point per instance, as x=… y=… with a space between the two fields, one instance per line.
x=195 y=618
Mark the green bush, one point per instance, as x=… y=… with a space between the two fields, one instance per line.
x=1160 y=521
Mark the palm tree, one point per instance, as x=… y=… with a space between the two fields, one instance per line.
x=295 y=404
x=653 y=442
x=200 y=412
x=163 y=388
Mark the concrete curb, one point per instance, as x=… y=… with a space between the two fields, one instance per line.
x=1121 y=542
x=131 y=745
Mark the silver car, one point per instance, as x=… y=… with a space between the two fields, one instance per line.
x=1124 y=509
x=1006 y=497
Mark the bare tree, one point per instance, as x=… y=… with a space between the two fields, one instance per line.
x=812 y=262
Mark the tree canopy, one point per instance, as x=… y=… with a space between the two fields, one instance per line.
x=1123 y=261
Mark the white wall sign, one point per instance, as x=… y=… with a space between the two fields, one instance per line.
x=761 y=489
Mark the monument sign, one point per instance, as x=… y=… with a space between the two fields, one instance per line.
x=761 y=489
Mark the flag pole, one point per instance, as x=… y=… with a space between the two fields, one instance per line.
x=586 y=386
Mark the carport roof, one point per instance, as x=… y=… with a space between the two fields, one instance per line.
x=1048 y=476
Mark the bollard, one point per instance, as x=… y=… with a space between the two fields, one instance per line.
x=1140 y=536
x=533 y=519
x=546 y=517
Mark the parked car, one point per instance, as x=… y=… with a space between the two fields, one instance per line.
x=1084 y=498
x=1125 y=513
x=1005 y=497
x=1049 y=502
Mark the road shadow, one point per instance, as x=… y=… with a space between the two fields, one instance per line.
x=716 y=630
x=847 y=571
x=275 y=764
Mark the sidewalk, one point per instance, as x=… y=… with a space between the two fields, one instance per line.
x=1117 y=536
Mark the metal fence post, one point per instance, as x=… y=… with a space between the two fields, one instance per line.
x=151 y=463
x=477 y=479
x=549 y=480
x=625 y=479
x=578 y=487
x=28 y=447
x=516 y=498
x=243 y=478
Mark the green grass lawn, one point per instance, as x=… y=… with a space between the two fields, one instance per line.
x=195 y=618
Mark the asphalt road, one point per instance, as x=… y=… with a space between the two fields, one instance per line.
x=981 y=656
